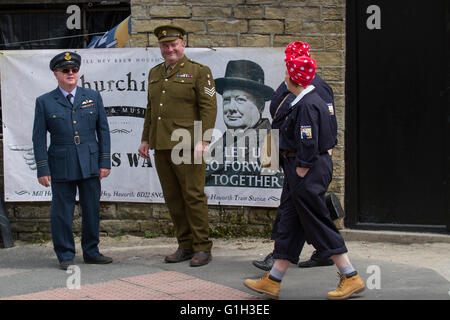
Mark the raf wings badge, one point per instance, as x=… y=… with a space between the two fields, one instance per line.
x=87 y=104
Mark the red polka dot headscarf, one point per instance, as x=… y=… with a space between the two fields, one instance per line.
x=297 y=48
x=300 y=66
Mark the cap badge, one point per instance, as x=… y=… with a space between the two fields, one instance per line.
x=164 y=33
x=68 y=56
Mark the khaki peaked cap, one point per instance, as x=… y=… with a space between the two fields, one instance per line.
x=169 y=32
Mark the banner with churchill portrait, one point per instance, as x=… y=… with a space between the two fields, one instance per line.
x=245 y=79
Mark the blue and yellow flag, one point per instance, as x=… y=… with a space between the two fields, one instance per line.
x=114 y=38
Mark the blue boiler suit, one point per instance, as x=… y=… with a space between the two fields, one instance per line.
x=306 y=134
x=79 y=147
x=324 y=91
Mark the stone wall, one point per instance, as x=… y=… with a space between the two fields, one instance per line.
x=220 y=23
x=31 y=221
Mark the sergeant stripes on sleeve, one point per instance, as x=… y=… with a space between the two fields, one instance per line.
x=210 y=91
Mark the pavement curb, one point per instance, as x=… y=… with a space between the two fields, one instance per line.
x=393 y=236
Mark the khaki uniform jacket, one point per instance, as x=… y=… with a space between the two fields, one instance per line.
x=175 y=100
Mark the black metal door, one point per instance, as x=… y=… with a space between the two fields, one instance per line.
x=397 y=114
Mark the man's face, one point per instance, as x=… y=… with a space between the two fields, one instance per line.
x=172 y=51
x=239 y=109
x=67 y=76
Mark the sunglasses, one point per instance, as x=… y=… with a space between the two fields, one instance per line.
x=67 y=70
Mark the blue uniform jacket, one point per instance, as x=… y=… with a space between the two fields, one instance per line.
x=307 y=130
x=79 y=135
x=322 y=89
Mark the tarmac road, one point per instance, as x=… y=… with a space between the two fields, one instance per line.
x=392 y=271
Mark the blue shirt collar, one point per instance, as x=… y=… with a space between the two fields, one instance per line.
x=65 y=93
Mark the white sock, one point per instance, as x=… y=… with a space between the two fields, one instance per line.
x=276 y=275
x=347 y=270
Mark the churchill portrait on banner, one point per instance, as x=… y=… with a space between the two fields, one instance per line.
x=234 y=159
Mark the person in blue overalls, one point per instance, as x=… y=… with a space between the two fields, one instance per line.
x=305 y=140
x=279 y=106
x=78 y=157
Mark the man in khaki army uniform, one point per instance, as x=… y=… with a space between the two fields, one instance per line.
x=180 y=92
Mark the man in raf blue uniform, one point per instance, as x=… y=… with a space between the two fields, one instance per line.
x=78 y=157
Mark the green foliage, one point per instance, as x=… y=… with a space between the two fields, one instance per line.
x=39 y=237
x=150 y=235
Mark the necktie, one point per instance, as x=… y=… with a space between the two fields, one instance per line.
x=169 y=69
x=69 y=97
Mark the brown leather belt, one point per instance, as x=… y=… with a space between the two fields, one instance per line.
x=287 y=154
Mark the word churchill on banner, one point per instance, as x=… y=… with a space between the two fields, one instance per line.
x=129 y=84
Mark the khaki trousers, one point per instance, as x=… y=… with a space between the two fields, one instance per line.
x=183 y=186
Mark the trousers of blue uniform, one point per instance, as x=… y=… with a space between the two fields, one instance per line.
x=61 y=216
x=303 y=215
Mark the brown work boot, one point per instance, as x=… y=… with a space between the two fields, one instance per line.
x=347 y=287
x=264 y=285
x=179 y=255
x=200 y=259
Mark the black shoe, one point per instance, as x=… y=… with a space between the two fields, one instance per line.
x=179 y=255
x=315 y=261
x=334 y=206
x=64 y=265
x=200 y=258
x=100 y=259
x=265 y=264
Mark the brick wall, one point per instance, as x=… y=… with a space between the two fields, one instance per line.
x=220 y=23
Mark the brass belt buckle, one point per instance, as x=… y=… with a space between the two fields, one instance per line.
x=76 y=139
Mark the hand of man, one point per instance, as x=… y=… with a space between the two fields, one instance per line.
x=301 y=172
x=200 y=149
x=104 y=173
x=143 y=149
x=45 y=180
